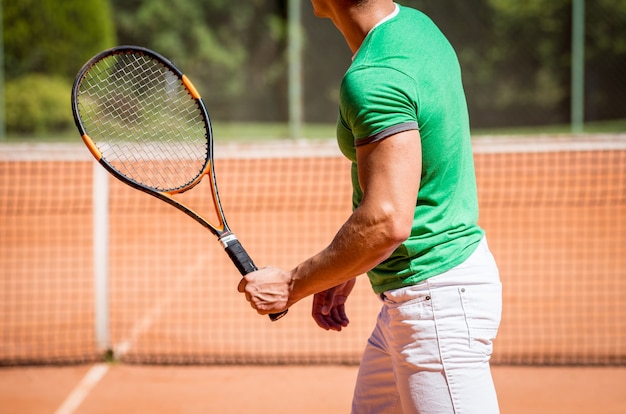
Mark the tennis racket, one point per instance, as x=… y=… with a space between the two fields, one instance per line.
x=146 y=124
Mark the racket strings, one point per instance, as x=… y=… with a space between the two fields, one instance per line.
x=144 y=122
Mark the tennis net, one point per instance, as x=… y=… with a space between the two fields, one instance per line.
x=554 y=209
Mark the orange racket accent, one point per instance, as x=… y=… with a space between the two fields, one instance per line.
x=192 y=89
x=92 y=147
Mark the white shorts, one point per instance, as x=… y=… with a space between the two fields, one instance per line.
x=429 y=352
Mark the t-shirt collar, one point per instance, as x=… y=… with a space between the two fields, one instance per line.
x=390 y=16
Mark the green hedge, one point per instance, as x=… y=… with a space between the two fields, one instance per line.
x=38 y=104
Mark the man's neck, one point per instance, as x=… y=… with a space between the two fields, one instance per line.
x=357 y=21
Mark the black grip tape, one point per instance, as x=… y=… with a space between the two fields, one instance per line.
x=245 y=265
x=240 y=257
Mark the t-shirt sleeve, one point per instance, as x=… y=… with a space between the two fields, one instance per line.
x=376 y=102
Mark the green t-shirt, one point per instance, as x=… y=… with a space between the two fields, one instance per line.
x=406 y=76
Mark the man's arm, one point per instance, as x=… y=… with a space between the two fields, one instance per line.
x=389 y=175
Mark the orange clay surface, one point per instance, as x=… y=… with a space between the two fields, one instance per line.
x=284 y=390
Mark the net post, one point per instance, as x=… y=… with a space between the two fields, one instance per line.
x=101 y=257
x=578 y=67
x=294 y=52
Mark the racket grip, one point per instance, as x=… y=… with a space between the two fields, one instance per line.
x=245 y=265
x=240 y=257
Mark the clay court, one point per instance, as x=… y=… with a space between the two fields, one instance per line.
x=188 y=343
x=284 y=389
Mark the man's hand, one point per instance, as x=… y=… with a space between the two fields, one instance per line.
x=329 y=310
x=267 y=290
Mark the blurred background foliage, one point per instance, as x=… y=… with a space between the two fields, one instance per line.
x=515 y=56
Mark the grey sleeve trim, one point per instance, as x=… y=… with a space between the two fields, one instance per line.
x=385 y=133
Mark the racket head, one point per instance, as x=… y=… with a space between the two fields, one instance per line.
x=146 y=123
x=143 y=120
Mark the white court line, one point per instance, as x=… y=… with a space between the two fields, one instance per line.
x=156 y=311
x=98 y=371
x=143 y=325
x=82 y=390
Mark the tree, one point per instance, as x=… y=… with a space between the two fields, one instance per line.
x=515 y=57
x=54 y=37
x=234 y=51
x=606 y=60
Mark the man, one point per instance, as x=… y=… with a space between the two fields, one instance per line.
x=403 y=123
